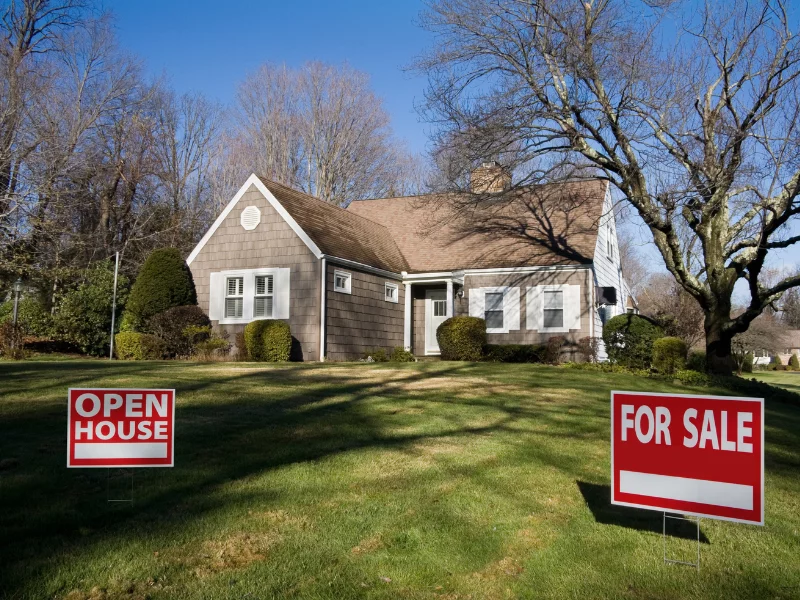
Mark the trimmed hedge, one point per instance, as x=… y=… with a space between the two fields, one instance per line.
x=794 y=363
x=268 y=340
x=164 y=281
x=171 y=325
x=462 y=338
x=629 y=340
x=515 y=353
x=669 y=354
x=400 y=354
x=130 y=345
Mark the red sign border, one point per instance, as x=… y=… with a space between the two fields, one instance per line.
x=672 y=510
x=69 y=429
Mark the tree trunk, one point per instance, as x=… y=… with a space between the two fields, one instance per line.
x=719 y=359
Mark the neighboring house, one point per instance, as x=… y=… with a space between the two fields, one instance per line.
x=386 y=273
x=791 y=341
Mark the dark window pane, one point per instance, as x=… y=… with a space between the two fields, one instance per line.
x=494 y=319
x=553 y=318
x=494 y=302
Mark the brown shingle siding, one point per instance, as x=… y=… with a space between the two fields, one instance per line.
x=362 y=320
x=271 y=244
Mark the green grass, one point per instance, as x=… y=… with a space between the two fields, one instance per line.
x=427 y=480
x=789 y=380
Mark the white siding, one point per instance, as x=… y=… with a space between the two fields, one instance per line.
x=607 y=270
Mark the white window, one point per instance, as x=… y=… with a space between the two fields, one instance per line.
x=553 y=308
x=242 y=295
x=498 y=306
x=234 y=297
x=391 y=292
x=610 y=242
x=341 y=282
x=494 y=310
x=553 y=316
x=439 y=308
x=263 y=299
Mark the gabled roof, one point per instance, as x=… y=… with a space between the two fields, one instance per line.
x=338 y=232
x=548 y=225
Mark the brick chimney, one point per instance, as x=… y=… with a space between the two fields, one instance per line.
x=490 y=178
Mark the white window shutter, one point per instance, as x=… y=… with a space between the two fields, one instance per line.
x=511 y=308
x=216 y=296
x=282 y=302
x=477 y=303
x=533 y=308
x=572 y=306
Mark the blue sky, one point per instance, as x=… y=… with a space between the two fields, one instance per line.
x=211 y=46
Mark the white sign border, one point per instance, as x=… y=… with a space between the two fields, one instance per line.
x=672 y=510
x=69 y=428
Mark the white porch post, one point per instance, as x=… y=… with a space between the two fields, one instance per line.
x=450 y=301
x=407 y=319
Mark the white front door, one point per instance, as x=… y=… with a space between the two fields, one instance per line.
x=435 y=314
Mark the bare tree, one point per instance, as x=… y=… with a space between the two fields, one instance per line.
x=29 y=30
x=319 y=128
x=790 y=309
x=634 y=268
x=673 y=308
x=765 y=334
x=691 y=112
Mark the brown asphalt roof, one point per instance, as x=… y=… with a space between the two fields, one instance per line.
x=543 y=226
x=338 y=232
x=537 y=226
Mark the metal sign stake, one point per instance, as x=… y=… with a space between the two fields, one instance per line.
x=108 y=487
x=664 y=538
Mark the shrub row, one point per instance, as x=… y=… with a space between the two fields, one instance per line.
x=515 y=353
x=397 y=354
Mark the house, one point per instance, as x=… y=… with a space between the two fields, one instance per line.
x=384 y=273
x=791 y=342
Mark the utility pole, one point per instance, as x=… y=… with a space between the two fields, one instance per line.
x=114 y=308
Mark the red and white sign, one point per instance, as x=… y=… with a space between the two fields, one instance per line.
x=120 y=428
x=695 y=455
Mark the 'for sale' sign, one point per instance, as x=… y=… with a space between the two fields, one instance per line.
x=696 y=455
x=120 y=428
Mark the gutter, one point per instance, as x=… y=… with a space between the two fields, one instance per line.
x=322 y=309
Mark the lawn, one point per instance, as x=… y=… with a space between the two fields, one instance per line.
x=427 y=480
x=789 y=380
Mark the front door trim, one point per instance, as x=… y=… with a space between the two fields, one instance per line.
x=431 y=322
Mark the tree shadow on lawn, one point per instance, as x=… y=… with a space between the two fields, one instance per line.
x=264 y=420
x=236 y=423
x=598 y=499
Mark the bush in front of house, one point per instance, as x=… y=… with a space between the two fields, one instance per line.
x=669 y=355
x=268 y=340
x=462 y=338
x=629 y=340
x=171 y=325
x=400 y=354
x=514 y=353
x=794 y=363
x=164 y=281
x=589 y=348
x=204 y=343
x=83 y=312
x=696 y=362
x=131 y=345
x=691 y=377
x=375 y=355
x=775 y=364
x=553 y=347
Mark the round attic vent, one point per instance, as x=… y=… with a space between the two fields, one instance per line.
x=250 y=218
